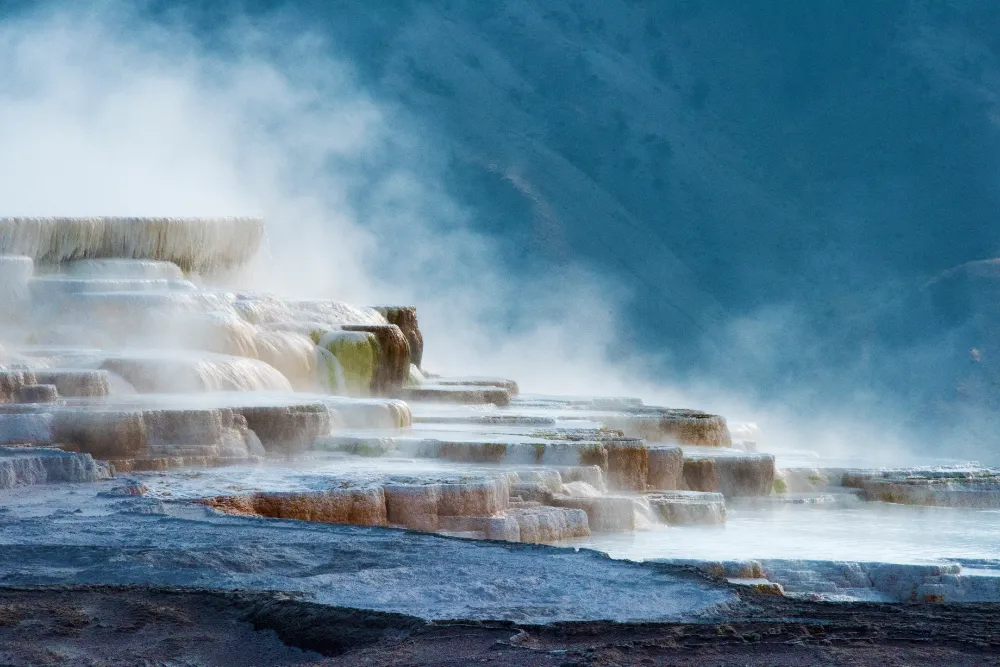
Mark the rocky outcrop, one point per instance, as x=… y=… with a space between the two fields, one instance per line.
x=405 y=317
x=393 y=364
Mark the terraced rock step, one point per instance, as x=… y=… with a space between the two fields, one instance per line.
x=468 y=394
x=24 y=466
x=476 y=381
x=470 y=506
x=728 y=471
x=198 y=244
x=683 y=508
x=962 y=487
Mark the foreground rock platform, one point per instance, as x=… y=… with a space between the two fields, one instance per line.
x=137 y=540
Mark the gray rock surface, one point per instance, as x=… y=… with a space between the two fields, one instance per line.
x=69 y=535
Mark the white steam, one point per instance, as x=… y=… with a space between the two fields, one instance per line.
x=106 y=113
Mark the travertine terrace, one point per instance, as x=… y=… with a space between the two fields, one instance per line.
x=128 y=368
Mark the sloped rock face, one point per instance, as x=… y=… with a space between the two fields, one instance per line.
x=750 y=475
x=701 y=475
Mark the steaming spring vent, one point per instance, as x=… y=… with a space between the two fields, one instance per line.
x=194 y=244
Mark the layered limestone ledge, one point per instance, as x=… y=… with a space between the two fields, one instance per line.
x=676 y=426
x=194 y=244
x=39 y=393
x=22 y=466
x=369 y=413
x=75 y=383
x=12 y=380
x=287 y=429
x=469 y=506
x=605 y=514
x=163 y=373
x=477 y=381
x=944 y=487
x=418 y=503
x=464 y=394
x=727 y=471
x=356 y=506
x=120 y=268
x=220 y=425
x=120 y=433
x=665 y=467
x=509 y=452
x=527 y=523
x=685 y=508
